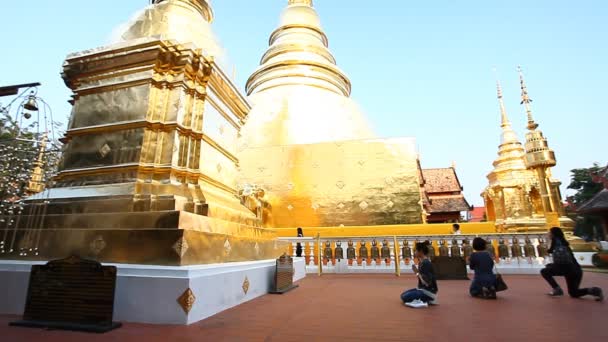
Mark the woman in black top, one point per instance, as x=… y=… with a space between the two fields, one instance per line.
x=565 y=264
x=483 y=285
x=298 y=245
x=426 y=292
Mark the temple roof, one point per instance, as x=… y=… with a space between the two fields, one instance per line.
x=599 y=203
x=453 y=203
x=441 y=180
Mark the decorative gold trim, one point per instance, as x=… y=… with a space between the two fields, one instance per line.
x=97 y=170
x=214 y=103
x=246 y=285
x=186 y=300
x=272 y=38
x=219 y=148
x=181 y=247
x=97 y=245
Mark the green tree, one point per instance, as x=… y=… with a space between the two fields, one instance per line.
x=586 y=188
x=584 y=185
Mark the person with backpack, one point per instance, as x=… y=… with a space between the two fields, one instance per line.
x=565 y=264
x=426 y=292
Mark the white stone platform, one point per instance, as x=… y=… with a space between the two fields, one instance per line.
x=149 y=294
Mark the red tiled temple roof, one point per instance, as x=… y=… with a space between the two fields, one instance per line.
x=444 y=204
x=441 y=180
x=477 y=214
x=443 y=188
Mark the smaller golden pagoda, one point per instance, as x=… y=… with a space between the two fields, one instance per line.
x=521 y=194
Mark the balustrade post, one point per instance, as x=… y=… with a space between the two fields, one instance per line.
x=294 y=248
x=397 y=258
x=311 y=253
x=319 y=259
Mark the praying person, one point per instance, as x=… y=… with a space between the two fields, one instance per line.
x=426 y=292
x=483 y=285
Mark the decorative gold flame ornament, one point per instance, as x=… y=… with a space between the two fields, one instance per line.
x=186 y=300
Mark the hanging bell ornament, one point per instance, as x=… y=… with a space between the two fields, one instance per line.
x=31 y=104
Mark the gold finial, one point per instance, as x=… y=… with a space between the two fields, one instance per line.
x=503 y=111
x=300 y=2
x=525 y=100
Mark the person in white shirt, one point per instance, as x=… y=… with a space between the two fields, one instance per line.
x=456 y=228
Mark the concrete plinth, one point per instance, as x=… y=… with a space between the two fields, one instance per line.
x=149 y=294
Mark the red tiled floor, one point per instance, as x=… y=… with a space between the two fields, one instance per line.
x=367 y=308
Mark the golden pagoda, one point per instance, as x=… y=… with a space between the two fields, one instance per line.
x=309 y=147
x=150 y=152
x=540 y=158
x=521 y=195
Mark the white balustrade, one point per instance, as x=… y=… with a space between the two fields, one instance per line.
x=506 y=260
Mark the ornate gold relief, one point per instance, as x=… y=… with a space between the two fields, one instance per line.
x=246 y=285
x=186 y=300
x=181 y=247
x=227 y=247
x=97 y=245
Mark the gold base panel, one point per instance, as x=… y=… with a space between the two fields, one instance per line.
x=196 y=240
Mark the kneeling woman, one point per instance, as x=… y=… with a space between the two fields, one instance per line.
x=483 y=285
x=426 y=292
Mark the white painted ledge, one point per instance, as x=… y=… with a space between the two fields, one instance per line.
x=148 y=294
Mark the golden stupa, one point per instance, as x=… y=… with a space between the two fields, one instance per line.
x=307 y=145
x=521 y=194
x=149 y=168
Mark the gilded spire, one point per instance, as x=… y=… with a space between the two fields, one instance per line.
x=300 y=2
x=525 y=100
x=508 y=135
x=504 y=119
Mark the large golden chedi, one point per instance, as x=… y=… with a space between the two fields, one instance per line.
x=307 y=144
x=521 y=193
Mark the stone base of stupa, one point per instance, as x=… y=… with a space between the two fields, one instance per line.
x=163 y=294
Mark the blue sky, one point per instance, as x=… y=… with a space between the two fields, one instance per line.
x=418 y=68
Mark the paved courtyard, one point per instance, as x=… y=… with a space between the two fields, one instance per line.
x=367 y=308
